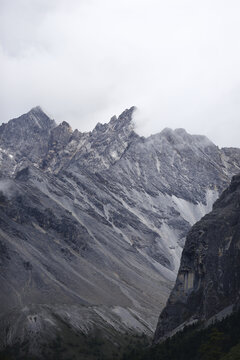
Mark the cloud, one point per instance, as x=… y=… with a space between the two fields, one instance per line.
x=7 y=188
x=84 y=61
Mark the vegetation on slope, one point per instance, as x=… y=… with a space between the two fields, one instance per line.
x=220 y=341
x=72 y=345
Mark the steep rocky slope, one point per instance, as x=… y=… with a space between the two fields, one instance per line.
x=208 y=282
x=93 y=224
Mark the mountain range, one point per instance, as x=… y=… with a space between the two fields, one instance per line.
x=92 y=225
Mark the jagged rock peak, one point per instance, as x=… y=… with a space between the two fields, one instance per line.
x=36 y=110
x=117 y=123
x=207 y=285
x=39 y=118
x=124 y=119
x=128 y=113
x=125 y=115
x=36 y=117
x=65 y=124
x=27 y=136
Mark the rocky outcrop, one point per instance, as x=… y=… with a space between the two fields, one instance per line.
x=27 y=136
x=208 y=281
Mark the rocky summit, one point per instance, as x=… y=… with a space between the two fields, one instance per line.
x=207 y=286
x=92 y=225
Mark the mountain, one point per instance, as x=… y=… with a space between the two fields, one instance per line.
x=207 y=286
x=92 y=225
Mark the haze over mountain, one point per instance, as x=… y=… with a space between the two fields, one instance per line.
x=86 y=60
x=93 y=224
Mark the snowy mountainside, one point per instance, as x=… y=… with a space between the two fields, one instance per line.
x=93 y=224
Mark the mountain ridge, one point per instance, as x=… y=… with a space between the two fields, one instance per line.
x=95 y=222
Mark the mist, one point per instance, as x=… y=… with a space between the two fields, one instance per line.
x=84 y=61
x=7 y=188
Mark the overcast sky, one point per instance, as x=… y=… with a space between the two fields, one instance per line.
x=83 y=61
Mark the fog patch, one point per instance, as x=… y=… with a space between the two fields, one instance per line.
x=7 y=188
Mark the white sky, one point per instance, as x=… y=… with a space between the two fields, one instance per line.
x=83 y=61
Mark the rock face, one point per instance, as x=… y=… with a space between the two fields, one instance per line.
x=208 y=281
x=92 y=225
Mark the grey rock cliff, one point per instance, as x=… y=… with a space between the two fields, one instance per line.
x=208 y=281
x=93 y=224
